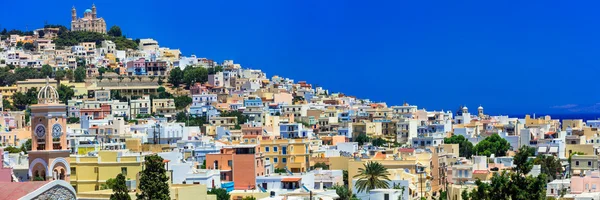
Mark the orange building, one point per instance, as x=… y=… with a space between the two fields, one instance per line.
x=240 y=164
x=333 y=140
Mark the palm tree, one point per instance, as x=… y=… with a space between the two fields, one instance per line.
x=131 y=78
x=139 y=78
x=374 y=175
x=121 y=78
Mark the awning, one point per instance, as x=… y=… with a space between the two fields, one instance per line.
x=576 y=172
x=293 y=179
x=542 y=149
x=553 y=150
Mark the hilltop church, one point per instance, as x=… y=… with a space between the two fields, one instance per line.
x=89 y=22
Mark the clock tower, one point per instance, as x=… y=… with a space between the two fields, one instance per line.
x=49 y=155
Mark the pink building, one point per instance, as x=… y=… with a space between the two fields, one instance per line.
x=137 y=67
x=586 y=184
x=5 y=173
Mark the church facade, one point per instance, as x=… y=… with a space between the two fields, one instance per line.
x=89 y=22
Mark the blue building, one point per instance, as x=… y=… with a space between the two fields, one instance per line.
x=253 y=102
x=275 y=109
x=346 y=116
x=292 y=130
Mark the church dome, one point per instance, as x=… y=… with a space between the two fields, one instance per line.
x=88 y=10
x=47 y=94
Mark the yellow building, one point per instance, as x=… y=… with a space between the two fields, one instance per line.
x=290 y=153
x=89 y=172
x=240 y=194
x=8 y=91
x=78 y=88
x=23 y=86
x=423 y=160
x=177 y=192
x=586 y=149
x=539 y=121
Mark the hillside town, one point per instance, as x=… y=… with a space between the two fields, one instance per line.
x=88 y=113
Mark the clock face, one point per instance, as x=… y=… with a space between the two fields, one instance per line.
x=56 y=130
x=40 y=131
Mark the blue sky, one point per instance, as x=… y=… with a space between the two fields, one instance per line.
x=509 y=56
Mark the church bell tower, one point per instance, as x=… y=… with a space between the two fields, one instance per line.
x=93 y=11
x=49 y=155
x=73 y=14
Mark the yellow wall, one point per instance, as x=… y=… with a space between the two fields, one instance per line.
x=296 y=156
x=389 y=164
x=587 y=149
x=87 y=173
x=155 y=148
x=78 y=88
x=241 y=194
x=85 y=150
x=183 y=192
x=338 y=163
x=133 y=144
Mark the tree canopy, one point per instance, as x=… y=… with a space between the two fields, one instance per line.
x=79 y=74
x=493 y=144
x=21 y=101
x=182 y=102
x=153 y=181
x=65 y=93
x=378 y=142
x=220 y=192
x=120 y=191
x=72 y=38
x=114 y=31
x=361 y=139
x=515 y=185
x=176 y=77
x=465 y=147
x=8 y=77
x=192 y=75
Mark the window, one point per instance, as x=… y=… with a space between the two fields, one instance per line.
x=267 y=158
x=124 y=171
x=266 y=149
x=589 y=163
x=73 y=171
x=386 y=196
x=274 y=149
x=275 y=160
x=230 y=163
x=95 y=169
x=284 y=160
